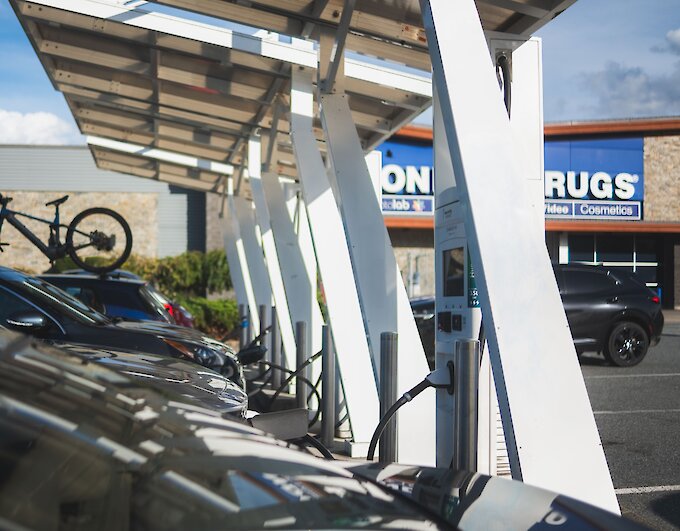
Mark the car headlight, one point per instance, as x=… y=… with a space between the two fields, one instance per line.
x=197 y=353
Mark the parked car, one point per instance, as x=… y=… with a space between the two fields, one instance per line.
x=121 y=294
x=190 y=382
x=179 y=314
x=609 y=310
x=83 y=447
x=34 y=306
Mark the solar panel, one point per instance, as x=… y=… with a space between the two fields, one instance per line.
x=159 y=81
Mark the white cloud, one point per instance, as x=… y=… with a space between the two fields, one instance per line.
x=673 y=38
x=36 y=128
x=621 y=91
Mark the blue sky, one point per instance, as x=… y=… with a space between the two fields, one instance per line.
x=603 y=59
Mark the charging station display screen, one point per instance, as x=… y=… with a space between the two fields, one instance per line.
x=454 y=271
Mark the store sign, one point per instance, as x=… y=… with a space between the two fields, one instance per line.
x=581 y=185
x=406 y=179
x=408 y=205
x=584 y=179
x=594 y=179
x=622 y=210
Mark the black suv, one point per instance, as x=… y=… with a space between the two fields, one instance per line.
x=609 y=310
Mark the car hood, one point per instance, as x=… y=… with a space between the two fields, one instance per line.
x=193 y=383
x=468 y=500
x=175 y=332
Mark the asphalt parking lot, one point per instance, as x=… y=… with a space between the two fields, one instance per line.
x=638 y=414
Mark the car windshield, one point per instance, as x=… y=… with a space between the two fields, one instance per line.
x=157 y=301
x=57 y=299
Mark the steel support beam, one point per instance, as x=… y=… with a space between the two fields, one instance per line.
x=306 y=247
x=382 y=293
x=236 y=255
x=549 y=425
x=329 y=71
x=270 y=251
x=300 y=288
x=344 y=310
x=257 y=267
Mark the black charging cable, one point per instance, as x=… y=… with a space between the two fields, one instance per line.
x=439 y=379
x=503 y=64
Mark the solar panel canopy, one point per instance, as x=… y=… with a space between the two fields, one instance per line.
x=170 y=94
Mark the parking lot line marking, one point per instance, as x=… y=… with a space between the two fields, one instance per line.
x=634 y=411
x=659 y=375
x=646 y=490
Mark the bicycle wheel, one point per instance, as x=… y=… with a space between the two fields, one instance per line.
x=99 y=240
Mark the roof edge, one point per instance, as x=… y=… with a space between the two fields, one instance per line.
x=652 y=126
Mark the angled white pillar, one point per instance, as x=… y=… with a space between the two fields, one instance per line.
x=306 y=247
x=344 y=311
x=382 y=293
x=274 y=268
x=233 y=259
x=236 y=256
x=549 y=425
x=300 y=288
x=526 y=122
x=254 y=256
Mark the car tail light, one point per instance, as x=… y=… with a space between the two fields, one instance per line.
x=170 y=309
x=655 y=299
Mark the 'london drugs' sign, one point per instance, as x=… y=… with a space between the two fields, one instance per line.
x=602 y=179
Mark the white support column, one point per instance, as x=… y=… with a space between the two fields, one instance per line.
x=300 y=289
x=382 y=293
x=548 y=421
x=254 y=257
x=236 y=256
x=274 y=268
x=526 y=122
x=335 y=266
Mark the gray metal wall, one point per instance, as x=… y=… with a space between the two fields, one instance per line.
x=181 y=213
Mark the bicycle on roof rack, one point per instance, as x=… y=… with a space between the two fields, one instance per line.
x=99 y=234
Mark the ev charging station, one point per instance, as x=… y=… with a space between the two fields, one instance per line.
x=180 y=101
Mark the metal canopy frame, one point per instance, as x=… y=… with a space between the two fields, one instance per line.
x=152 y=88
x=168 y=83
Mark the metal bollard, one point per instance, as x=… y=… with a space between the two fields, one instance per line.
x=263 y=326
x=300 y=358
x=327 y=388
x=245 y=326
x=275 y=340
x=387 y=447
x=466 y=363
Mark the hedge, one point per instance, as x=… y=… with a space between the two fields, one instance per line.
x=215 y=317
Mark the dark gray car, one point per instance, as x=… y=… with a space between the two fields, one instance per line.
x=82 y=447
x=36 y=307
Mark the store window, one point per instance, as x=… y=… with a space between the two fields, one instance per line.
x=626 y=252
x=581 y=247
x=615 y=249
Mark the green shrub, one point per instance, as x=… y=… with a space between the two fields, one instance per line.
x=215 y=317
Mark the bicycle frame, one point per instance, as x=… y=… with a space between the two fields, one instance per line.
x=53 y=252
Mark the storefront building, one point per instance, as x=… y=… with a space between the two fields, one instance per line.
x=612 y=197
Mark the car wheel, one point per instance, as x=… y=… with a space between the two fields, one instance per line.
x=627 y=344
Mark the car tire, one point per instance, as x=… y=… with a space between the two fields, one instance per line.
x=627 y=344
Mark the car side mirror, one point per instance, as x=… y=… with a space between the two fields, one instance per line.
x=28 y=322
x=251 y=354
